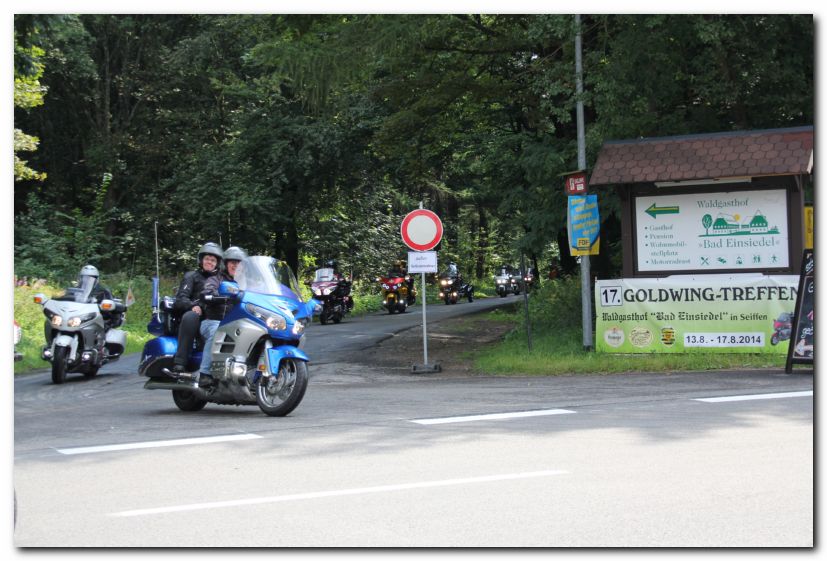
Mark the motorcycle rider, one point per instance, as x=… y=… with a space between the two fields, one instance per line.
x=397 y=270
x=88 y=278
x=344 y=284
x=215 y=312
x=453 y=273
x=188 y=305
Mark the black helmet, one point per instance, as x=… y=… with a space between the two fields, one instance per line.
x=210 y=248
x=234 y=253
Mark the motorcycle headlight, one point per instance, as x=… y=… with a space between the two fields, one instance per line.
x=273 y=321
x=385 y=286
x=56 y=320
x=317 y=291
x=443 y=282
x=326 y=291
x=77 y=320
x=298 y=327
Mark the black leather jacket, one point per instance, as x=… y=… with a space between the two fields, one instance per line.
x=214 y=310
x=189 y=291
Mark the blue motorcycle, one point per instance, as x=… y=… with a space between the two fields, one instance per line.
x=256 y=354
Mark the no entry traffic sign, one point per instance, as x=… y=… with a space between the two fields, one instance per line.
x=421 y=230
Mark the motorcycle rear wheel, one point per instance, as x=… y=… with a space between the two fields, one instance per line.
x=187 y=401
x=59 y=360
x=278 y=395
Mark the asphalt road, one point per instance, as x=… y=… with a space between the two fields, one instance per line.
x=420 y=460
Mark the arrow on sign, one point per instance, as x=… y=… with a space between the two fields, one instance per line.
x=654 y=210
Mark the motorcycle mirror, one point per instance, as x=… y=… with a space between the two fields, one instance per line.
x=107 y=305
x=228 y=288
x=40 y=298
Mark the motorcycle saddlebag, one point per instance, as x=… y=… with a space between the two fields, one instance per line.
x=115 y=342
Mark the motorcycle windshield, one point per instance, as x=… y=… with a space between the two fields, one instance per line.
x=323 y=275
x=84 y=290
x=265 y=275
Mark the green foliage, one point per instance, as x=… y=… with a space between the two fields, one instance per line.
x=28 y=93
x=310 y=136
x=555 y=306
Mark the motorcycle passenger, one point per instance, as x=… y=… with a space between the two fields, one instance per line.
x=188 y=305
x=215 y=312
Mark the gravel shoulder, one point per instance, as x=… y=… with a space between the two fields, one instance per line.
x=452 y=343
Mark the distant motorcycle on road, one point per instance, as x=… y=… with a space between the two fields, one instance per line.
x=81 y=334
x=334 y=294
x=451 y=289
x=396 y=294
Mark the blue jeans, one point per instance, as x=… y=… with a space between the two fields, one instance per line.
x=208 y=329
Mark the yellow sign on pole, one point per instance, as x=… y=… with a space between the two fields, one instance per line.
x=808 y=227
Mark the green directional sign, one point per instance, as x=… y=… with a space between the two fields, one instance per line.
x=654 y=210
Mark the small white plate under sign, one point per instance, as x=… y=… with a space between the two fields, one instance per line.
x=422 y=262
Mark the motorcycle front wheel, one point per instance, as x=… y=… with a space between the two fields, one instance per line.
x=59 y=360
x=278 y=395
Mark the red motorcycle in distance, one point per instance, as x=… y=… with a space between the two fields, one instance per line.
x=396 y=297
x=333 y=291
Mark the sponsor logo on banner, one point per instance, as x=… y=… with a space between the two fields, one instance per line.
x=614 y=336
x=667 y=336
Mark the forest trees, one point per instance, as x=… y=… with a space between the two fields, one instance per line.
x=308 y=137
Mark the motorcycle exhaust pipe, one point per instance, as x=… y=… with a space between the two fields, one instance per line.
x=153 y=385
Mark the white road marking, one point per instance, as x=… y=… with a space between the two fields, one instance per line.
x=156 y=444
x=492 y=416
x=338 y=493
x=755 y=396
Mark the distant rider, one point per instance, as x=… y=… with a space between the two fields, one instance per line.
x=343 y=288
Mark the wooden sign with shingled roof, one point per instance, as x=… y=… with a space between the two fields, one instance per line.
x=708 y=163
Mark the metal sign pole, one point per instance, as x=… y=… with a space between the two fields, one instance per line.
x=424 y=321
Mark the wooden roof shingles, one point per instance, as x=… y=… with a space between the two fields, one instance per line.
x=705 y=156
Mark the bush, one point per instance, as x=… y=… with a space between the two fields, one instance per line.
x=555 y=306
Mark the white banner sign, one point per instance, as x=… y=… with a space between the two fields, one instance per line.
x=740 y=230
x=422 y=262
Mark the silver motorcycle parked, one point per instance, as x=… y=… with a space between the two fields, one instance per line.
x=81 y=334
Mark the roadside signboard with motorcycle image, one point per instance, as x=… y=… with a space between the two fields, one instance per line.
x=749 y=313
x=802 y=346
x=583 y=225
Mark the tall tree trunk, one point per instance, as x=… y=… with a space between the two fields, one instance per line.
x=482 y=241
